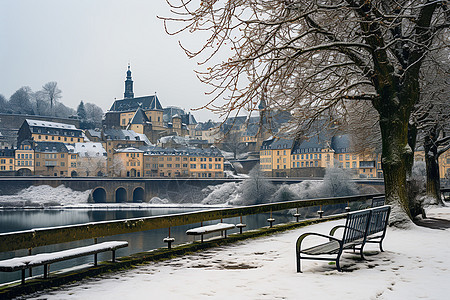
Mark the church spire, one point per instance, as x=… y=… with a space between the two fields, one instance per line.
x=128 y=85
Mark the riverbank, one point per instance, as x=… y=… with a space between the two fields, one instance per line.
x=413 y=266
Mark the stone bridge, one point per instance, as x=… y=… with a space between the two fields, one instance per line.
x=117 y=190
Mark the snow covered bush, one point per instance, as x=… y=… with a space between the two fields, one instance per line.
x=257 y=189
x=284 y=193
x=221 y=194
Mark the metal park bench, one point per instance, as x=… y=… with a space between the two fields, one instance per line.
x=45 y=259
x=222 y=227
x=377 y=201
x=360 y=227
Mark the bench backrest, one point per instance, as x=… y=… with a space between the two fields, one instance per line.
x=356 y=226
x=379 y=219
x=377 y=201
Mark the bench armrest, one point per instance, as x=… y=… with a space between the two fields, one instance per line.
x=303 y=236
x=336 y=228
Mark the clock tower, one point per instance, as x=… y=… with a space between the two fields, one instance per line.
x=128 y=85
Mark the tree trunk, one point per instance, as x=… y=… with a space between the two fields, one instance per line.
x=432 y=167
x=412 y=139
x=395 y=155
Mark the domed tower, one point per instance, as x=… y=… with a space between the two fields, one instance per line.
x=128 y=85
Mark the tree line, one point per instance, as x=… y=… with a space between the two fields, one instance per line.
x=46 y=102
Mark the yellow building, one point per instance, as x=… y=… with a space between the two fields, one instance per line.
x=44 y=131
x=199 y=163
x=132 y=160
x=6 y=160
x=25 y=158
x=51 y=159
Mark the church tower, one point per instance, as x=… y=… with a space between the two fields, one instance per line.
x=128 y=85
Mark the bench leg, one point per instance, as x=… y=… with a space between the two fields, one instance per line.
x=298 y=263
x=225 y=234
x=95 y=259
x=45 y=271
x=23 y=276
x=113 y=255
x=202 y=238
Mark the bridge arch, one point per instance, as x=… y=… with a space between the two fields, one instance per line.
x=138 y=194
x=99 y=195
x=24 y=172
x=121 y=195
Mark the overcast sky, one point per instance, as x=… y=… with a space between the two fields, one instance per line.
x=86 y=45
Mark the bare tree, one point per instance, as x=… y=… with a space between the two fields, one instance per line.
x=312 y=57
x=431 y=119
x=232 y=143
x=19 y=102
x=94 y=114
x=52 y=92
x=92 y=165
x=3 y=104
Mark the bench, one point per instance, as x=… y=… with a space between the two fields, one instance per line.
x=360 y=227
x=45 y=259
x=377 y=201
x=222 y=227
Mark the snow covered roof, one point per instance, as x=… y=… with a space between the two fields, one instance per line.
x=88 y=149
x=125 y=135
x=131 y=104
x=39 y=123
x=128 y=150
x=50 y=147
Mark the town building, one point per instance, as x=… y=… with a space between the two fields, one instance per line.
x=7 y=161
x=51 y=159
x=45 y=131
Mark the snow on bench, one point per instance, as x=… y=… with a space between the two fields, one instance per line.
x=210 y=229
x=22 y=263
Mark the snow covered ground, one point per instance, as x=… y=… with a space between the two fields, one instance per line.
x=413 y=266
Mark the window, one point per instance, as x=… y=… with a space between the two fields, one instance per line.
x=315 y=156
x=298 y=164
x=193 y=166
x=217 y=166
x=210 y=166
x=347 y=156
x=347 y=164
x=316 y=163
x=303 y=164
x=62 y=155
x=341 y=156
x=169 y=165
x=302 y=156
x=354 y=164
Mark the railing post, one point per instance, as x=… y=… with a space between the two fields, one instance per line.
x=297 y=215
x=169 y=240
x=30 y=270
x=270 y=220
x=320 y=212
x=95 y=255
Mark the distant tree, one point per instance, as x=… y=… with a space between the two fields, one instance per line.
x=81 y=111
x=19 y=102
x=3 y=104
x=40 y=104
x=91 y=165
x=94 y=114
x=52 y=92
x=62 y=111
x=116 y=167
x=232 y=143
